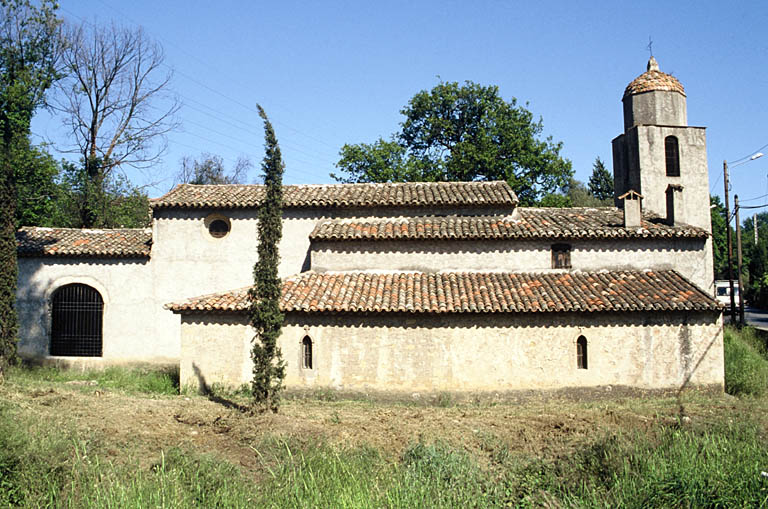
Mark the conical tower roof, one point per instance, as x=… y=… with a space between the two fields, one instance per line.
x=654 y=79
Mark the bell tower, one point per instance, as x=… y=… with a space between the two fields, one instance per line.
x=659 y=155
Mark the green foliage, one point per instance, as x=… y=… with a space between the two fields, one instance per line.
x=461 y=133
x=699 y=464
x=678 y=467
x=28 y=52
x=85 y=202
x=147 y=380
x=36 y=173
x=575 y=194
x=746 y=365
x=601 y=181
x=44 y=467
x=555 y=200
x=266 y=318
x=382 y=161
x=756 y=259
x=718 y=466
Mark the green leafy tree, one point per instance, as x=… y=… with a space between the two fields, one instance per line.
x=460 y=133
x=756 y=259
x=266 y=318
x=575 y=194
x=601 y=181
x=115 y=103
x=37 y=190
x=29 y=43
x=556 y=200
x=83 y=203
x=382 y=161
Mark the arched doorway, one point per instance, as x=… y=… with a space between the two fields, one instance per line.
x=77 y=319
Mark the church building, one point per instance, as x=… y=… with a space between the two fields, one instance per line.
x=409 y=287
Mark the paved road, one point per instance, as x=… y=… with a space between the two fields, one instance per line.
x=757 y=318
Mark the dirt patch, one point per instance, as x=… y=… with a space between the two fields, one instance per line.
x=139 y=428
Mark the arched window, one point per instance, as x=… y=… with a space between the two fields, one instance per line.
x=77 y=321
x=306 y=353
x=581 y=352
x=673 y=156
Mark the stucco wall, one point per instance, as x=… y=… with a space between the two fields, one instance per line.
x=657 y=107
x=413 y=353
x=130 y=330
x=694 y=176
x=688 y=256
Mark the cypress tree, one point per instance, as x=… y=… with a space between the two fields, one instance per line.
x=266 y=318
x=28 y=51
x=601 y=181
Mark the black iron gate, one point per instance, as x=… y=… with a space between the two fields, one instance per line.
x=77 y=320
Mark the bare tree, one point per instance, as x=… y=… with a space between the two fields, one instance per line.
x=115 y=101
x=209 y=169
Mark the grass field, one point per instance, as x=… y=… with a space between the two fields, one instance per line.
x=121 y=438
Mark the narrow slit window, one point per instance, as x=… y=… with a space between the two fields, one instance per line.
x=306 y=353
x=672 y=153
x=581 y=353
x=561 y=256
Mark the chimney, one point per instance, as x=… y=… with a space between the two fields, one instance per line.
x=632 y=209
x=675 y=209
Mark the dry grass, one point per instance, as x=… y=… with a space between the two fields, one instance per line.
x=139 y=426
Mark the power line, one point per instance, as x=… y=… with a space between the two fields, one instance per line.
x=754 y=206
x=744 y=159
x=211 y=89
x=250 y=142
x=192 y=55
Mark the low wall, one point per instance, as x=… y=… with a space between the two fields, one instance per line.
x=432 y=353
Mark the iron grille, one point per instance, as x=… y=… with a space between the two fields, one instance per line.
x=77 y=321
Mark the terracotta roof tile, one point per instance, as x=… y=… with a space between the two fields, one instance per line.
x=654 y=79
x=473 y=292
x=117 y=243
x=409 y=194
x=551 y=223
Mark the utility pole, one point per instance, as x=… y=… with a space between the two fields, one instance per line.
x=738 y=251
x=730 y=242
x=754 y=222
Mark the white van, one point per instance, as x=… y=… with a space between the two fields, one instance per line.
x=723 y=292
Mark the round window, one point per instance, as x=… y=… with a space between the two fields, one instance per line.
x=218 y=228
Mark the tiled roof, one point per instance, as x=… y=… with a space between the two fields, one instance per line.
x=550 y=223
x=473 y=292
x=117 y=243
x=409 y=194
x=654 y=79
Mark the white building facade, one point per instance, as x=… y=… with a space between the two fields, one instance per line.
x=411 y=286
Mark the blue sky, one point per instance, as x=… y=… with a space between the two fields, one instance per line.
x=330 y=73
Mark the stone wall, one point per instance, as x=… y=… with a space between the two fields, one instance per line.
x=427 y=353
